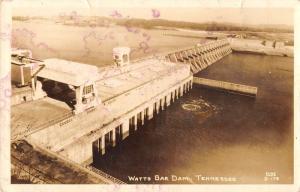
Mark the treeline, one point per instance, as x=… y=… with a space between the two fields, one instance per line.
x=153 y=23
x=27 y=18
x=20 y=18
x=211 y=26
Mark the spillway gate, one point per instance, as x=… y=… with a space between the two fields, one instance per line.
x=202 y=55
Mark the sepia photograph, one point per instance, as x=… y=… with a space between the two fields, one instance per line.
x=120 y=93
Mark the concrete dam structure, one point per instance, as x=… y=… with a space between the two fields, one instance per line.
x=202 y=55
x=264 y=47
x=75 y=112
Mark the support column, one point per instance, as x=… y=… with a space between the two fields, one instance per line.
x=102 y=144
x=150 y=112
x=157 y=106
x=220 y=52
x=135 y=122
x=142 y=117
x=216 y=54
x=223 y=50
x=207 y=58
x=114 y=137
x=207 y=61
x=181 y=91
x=203 y=61
x=125 y=129
x=175 y=58
x=79 y=105
x=168 y=99
x=168 y=58
x=213 y=52
x=163 y=103
x=210 y=53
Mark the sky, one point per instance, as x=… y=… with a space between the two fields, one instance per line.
x=237 y=11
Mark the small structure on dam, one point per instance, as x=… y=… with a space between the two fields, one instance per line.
x=78 y=78
x=24 y=70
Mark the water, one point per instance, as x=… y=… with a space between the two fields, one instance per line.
x=92 y=45
x=213 y=133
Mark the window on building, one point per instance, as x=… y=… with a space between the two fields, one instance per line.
x=88 y=89
x=125 y=58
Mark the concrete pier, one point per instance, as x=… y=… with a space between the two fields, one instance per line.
x=232 y=87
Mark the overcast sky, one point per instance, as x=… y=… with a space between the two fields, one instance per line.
x=188 y=10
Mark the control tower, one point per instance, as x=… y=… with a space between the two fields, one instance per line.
x=121 y=56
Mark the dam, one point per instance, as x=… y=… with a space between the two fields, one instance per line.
x=76 y=113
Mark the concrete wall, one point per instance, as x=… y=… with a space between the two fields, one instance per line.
x=232 y=87
x=81 y=149
x=68 y=130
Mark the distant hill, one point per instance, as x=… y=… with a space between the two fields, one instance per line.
x=153 y=23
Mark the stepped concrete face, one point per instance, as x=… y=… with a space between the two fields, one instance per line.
x=202 y=55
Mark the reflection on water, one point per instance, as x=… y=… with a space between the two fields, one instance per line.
x=200 y=107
